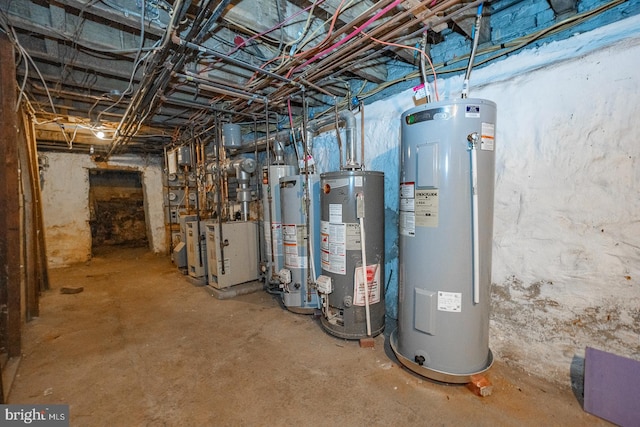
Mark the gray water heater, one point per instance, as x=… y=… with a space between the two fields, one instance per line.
x=349 y=199
x=445 y=234
x=300 y=209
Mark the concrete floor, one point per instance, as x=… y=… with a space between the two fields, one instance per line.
x=142 y=346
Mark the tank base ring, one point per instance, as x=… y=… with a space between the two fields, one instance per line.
x=444 y=377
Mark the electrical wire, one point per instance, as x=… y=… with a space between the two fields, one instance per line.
x=284 y=57
x=422 y=52
x=275 y=27
x=136 y=63
x=346 y=38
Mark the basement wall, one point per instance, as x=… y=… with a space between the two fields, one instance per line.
x=65 y=201
x=566 y=253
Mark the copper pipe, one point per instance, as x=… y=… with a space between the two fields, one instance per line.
x=328 y=64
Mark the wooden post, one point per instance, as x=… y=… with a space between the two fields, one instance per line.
x=9 y=204
x=29 y=223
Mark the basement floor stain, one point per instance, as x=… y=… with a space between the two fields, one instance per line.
x=142 y=346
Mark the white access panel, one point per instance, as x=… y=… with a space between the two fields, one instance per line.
x=196 y=250
x=240 y=253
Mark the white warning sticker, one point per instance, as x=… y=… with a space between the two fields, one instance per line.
x=276 y=232
x=407 y=190
x=450 y=301
x=335 y=212
x=292 y=258
x=487 y=141
x=373 y=285
x=408 y=224
x=333 y=247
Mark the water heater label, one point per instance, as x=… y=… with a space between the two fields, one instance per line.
x=408 y=224
x=292 y=236
x=373 y=285
x=276 y=232
x=333 y=247
x=407 y=205
x=450 y=301
x=353 y=236
x=426 y=208
x=335 y=212
x=407 y=189
x=488 y=136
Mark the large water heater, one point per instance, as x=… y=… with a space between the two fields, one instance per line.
x=352 y=209
x=300 y=202
x=445 y=230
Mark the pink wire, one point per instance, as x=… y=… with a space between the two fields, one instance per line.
x=274 y=27
x=350 y=36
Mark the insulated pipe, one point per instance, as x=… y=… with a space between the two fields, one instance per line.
x=180 y=42
x=350 y=131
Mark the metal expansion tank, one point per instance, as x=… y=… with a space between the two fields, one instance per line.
x=301 y=261
x=346 y=197
x=446 y=227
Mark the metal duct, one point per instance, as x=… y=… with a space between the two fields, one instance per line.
x=349 y=119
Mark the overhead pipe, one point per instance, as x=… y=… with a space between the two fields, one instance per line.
x=362 y=134
x=123 y=131
x=326 y=66
x=194 y=104
x=152 y=87
x=349 y=119
x=208 y=26
x=181 y=42
x=218 y=88
x=241 y=168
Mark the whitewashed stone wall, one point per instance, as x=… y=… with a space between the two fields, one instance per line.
x=65 y=203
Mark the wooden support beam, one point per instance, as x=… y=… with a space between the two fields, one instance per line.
x=9 y=205
x=41 y=249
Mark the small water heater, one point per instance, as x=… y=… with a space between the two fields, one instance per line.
x=352 y=209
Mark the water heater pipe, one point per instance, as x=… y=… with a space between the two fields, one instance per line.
x=365 y=276
x=362 y=134
x=476 y=38
x=350 y=131
x=473 y=147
